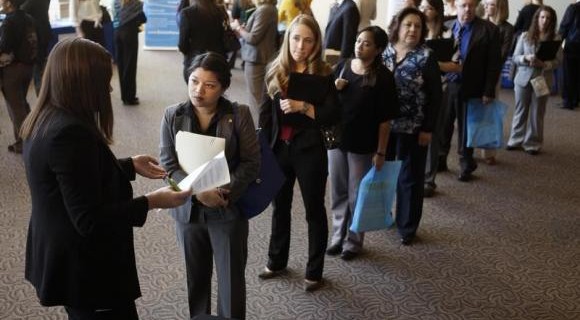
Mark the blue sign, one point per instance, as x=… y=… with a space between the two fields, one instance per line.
x=161 y=30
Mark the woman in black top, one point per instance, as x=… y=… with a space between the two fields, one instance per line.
x=369 y=98
x=293 y=127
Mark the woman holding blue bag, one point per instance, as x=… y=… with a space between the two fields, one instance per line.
x=418 y=82
x=369 y=99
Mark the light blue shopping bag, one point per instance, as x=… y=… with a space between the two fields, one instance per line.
x=485 y=124
x=376 y=194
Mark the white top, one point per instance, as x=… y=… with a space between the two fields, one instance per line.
x=368 y=12
x=85 y=10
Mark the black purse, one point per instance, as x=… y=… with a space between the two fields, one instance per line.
x=331 y=136
x=231 y=41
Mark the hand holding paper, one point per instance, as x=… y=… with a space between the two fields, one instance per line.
x=203 y=158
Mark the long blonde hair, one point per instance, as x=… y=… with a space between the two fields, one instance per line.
x=282 y=65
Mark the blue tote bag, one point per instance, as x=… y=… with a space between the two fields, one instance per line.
x=376 y=194
x=485 y=124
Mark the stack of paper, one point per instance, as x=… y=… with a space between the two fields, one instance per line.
x=203 y=158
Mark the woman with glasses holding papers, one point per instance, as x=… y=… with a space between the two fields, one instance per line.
x=301 y=99
x=528 y=121
x=210 y=226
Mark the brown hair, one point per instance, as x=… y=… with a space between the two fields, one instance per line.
x=398 y=19
x=77 y=80
x=534 y=30
x=282 y=65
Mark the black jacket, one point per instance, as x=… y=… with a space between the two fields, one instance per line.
x=341 y=29
x=79 y=250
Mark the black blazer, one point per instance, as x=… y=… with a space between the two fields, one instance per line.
x=306 y=130
x=199 y=32
x=482 y=65
x=341 y=29
x=79 y=250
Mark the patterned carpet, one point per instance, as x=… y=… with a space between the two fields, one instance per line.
x=505 y=246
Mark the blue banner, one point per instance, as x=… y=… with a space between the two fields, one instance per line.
x=161 y=30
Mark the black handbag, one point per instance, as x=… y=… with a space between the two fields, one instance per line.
x=231 y=41
x=331 y=136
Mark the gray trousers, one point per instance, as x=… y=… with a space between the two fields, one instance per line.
x=528 y=122
x=346 y=172
x=254 y=74
x=220 y=234
x=14 y=80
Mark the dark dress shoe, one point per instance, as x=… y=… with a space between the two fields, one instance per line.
x=407 y=241
x=511 y=148
x=428 y=190
x=311 y=285
x=442 y=166
x=269 y=274
x=465 y=176
x=532 y=152
x=348 y=255
x=131 y=102
x=334 y=250
x=15 y=148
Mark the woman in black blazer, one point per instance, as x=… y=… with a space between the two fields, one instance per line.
x=79 y=251
x=293 y=127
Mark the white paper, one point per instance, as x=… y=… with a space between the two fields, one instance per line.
x=193 y=150
x=209 y=175
x=203 y=158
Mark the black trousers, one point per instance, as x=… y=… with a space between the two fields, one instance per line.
x=455 y=108
x=310 y=167
x=127 y=47
x=405 y=147
x=128 y=312
x=94 y=34
x=571 y=85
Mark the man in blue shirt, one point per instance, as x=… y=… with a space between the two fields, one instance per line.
x=474 y=76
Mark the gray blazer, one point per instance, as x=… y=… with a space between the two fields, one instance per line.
x=524 y=72
x=259 y=44
x=242 y=148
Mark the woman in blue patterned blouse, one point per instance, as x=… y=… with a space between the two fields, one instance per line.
x=418 y=83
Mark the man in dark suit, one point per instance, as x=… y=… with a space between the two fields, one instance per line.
x=342 y=28
x=474 y=76
x=38 y=10
x=570 y=31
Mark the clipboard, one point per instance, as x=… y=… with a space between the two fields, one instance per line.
x=444 y=49
x=547 y=50
x=308 y=87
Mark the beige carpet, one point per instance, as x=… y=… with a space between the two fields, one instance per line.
x=505 y=246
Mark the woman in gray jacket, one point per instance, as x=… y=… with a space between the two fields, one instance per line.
x=209 y=226
x=259 y=46
x=528 y=122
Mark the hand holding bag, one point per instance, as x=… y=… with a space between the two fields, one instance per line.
x=376 y=194
x=540 y=86
x=485 y=124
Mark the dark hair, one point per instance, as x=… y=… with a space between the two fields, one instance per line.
x=534 y=30
x=77 y=79
x=398 y=19
x=16 y=3
x=380 y=39
x=440 y=9
x=215 y=63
